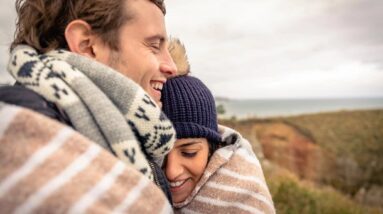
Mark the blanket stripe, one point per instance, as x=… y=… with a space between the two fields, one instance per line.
x=50 y=168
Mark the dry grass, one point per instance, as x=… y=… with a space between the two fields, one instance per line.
x=292 y=195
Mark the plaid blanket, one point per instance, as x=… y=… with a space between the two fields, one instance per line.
x=233 y=181
x=47 y=167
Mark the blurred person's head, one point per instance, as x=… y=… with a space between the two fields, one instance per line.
x=127 y=35
x=190 y=106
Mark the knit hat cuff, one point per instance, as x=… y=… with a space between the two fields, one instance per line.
x=193 y=130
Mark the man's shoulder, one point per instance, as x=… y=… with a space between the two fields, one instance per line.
x=21 y=96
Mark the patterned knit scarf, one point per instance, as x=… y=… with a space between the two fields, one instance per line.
x=102 y=104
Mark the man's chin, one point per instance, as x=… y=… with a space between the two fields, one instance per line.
x=156 y=96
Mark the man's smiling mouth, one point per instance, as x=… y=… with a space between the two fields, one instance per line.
x=157 y=85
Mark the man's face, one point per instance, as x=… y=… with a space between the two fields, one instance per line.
x=143 y=55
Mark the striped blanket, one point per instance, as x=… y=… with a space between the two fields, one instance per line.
x=49 y=168
x=233 y=182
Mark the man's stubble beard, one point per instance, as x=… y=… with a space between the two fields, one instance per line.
x=114 y=60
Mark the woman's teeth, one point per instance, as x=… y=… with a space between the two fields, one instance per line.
x=176 y=183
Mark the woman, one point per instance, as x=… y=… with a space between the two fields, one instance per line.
x=211 y=168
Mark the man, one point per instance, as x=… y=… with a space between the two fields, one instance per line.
x=61 y=74
x=129 y=36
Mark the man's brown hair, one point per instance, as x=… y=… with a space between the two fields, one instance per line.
x=41 y=23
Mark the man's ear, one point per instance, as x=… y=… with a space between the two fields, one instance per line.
x=78 y=35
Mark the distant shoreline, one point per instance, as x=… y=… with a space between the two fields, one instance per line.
x=261 y=108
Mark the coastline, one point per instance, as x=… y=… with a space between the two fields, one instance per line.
x=262 y=108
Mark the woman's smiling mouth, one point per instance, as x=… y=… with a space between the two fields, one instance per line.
x=176 y=186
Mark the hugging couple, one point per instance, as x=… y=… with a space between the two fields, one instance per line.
x=82 y=129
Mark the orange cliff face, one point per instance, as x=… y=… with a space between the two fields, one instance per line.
x=289 y=148
x=286 y=146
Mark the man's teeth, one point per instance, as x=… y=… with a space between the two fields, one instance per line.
x=176 y=183
x=157 y=85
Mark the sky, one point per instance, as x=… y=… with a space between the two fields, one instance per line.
x=256 y=49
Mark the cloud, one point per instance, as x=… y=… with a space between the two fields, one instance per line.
x=255 y=48
x=7 y=26
x=275 y=48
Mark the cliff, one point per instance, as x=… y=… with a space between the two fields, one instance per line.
x=337 y=150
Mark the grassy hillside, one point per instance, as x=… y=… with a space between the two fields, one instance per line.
x=355 y=138
x=293 y=195
x=340 y=153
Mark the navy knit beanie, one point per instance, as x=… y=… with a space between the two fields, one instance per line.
x=189 y=104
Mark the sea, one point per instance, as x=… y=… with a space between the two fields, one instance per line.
x=262 y=108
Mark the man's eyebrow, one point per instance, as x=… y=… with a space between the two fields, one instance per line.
x=156 y=37
x=188 y=144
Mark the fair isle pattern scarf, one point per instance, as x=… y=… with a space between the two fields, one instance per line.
x=102 y=104
x=233 y=181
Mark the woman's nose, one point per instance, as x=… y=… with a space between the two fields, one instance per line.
x=173 y=167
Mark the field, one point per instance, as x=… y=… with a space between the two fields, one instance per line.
x=320 y=163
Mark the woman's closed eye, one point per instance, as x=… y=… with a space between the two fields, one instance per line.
x=189 y=154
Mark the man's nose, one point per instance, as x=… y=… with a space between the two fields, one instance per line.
x=167 y=66
x=173 y=167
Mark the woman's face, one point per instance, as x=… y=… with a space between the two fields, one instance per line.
x=185 y=165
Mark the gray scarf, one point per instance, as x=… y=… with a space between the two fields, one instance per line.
x=102 y=104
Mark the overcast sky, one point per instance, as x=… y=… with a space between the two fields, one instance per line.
x=273 y=48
